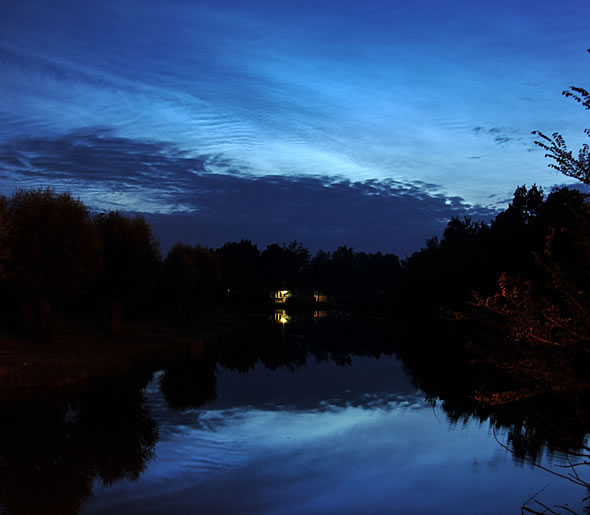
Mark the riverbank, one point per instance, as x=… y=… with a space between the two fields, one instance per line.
x=80 y=353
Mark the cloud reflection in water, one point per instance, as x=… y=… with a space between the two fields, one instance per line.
x=358 y=452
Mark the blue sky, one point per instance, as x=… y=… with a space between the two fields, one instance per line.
x=360 y=123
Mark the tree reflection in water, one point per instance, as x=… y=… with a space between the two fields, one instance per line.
x=51 y=453
x=189 y=384
x=552 y=425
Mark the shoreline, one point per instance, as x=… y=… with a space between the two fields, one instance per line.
x=79 y=355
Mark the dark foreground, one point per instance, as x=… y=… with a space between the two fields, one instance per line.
x=297 y=418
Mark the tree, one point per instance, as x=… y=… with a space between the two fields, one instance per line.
x=517 y=233
x=546 y=315
x=285 y=266
x=52 y=250
x=526 y=203
x=4 y=231
x=563 y=160
x=131 y=258
x=544 y=319
x=240 y=270
x=192 y=278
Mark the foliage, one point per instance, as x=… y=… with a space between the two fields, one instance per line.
x=563 y=159
x=445 y=271
x=50 y=250
x=361 y=277
x=526 y=204
x=4 y=231
x=130 y=254
x=241 y=270
x=544 y=312
x=53 y=246
x=284 y=265
x=547 y=318
x=191 y=278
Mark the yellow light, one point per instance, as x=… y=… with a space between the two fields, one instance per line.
x=283 y=320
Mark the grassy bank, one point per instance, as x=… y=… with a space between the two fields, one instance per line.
x=81 y=353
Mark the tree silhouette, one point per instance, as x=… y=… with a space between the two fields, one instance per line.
x=563 y=160
x=131 y=258
x=526 y=204
x=51 y=251
x=4 y=231
x=285 y=265
x=544 y=315
x=53 y=454
x=192 y=278
x=241 y=271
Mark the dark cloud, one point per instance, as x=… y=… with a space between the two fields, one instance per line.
x=500 y=135
x=501 y=140
x=96 y=155
x=199 y=205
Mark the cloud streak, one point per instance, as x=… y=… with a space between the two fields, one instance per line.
x=365 y=92
x=373 y=100
x=187 y=199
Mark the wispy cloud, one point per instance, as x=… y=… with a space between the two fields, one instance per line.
x=445 y=94
x=187 y=196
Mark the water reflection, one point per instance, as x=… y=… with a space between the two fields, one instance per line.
x=320 y=313
x=326 y=419
x=52 y=453
x=281 y=316
x=291 y=449
x=190 y=383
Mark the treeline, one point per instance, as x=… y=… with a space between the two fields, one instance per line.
x=54 y=255
x=366 y=280
x=472 y=255
x=59 y=261
x=521 y=284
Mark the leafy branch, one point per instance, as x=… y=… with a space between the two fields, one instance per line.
x=556 y=148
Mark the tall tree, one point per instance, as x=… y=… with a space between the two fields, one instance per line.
x=545 y=315
x=192 y=278
x=545 y=318
x=285 y=265
x=52 y=251
x=4 y=230
x=241 y=270
x=131 y=258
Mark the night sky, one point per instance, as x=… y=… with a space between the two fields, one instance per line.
x=366 y=123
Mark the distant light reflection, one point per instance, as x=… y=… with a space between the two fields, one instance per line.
x=281 y=316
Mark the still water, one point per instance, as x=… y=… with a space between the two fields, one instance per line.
x=307 y=422
x=326 y=438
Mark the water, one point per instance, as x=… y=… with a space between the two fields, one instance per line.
x=326 y=439
x=315 y=433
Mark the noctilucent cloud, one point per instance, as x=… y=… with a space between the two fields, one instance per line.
x=360 y=123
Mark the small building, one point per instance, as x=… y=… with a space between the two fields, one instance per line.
x=319 y=296
x=281 y=296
